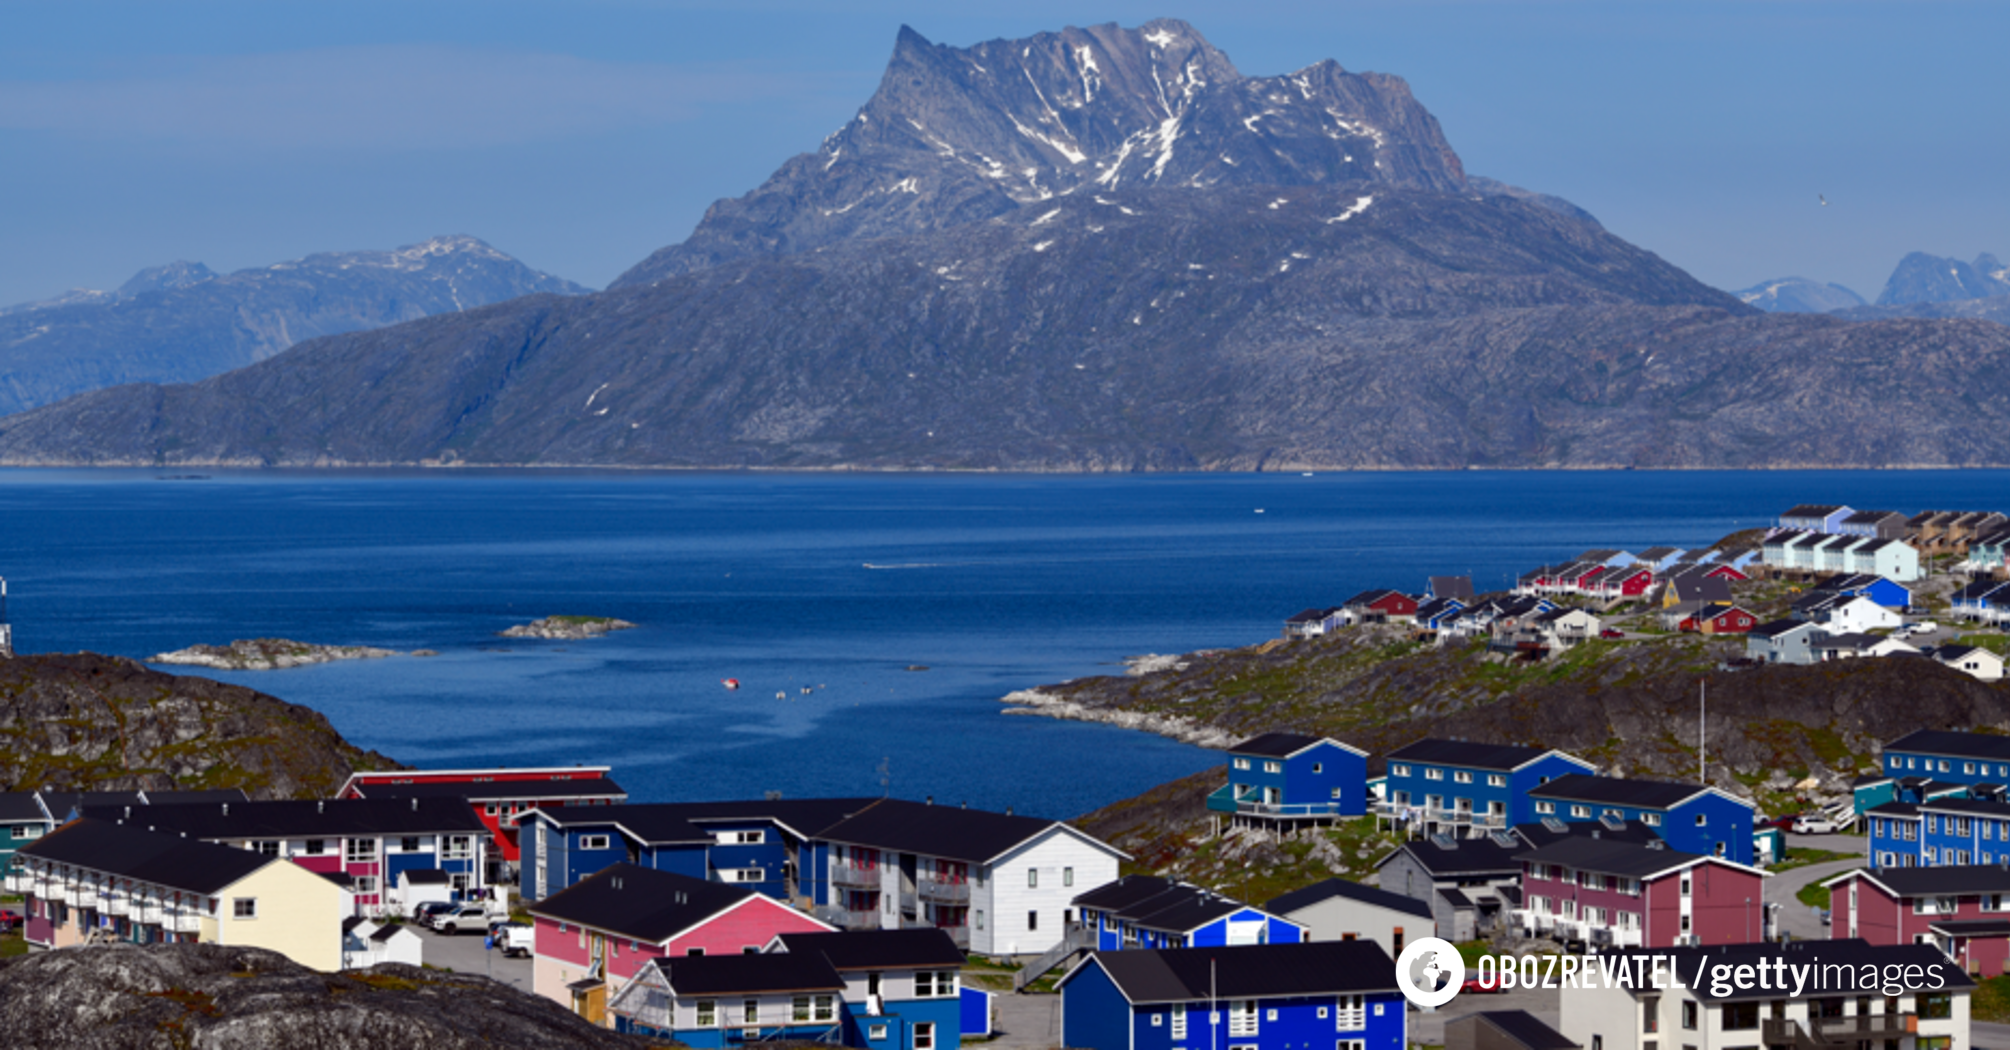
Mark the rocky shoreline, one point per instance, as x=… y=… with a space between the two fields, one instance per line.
x=567 y=628
x=1185 y=730
x=266 y=654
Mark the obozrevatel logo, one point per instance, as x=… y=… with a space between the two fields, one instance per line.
x=1430 y=971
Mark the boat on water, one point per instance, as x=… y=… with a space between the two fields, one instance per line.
x=730 y=683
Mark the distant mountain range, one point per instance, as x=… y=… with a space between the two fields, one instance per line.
x=1922 y=286
x=183 y=321
x=1798 y=295
x=1102 y=249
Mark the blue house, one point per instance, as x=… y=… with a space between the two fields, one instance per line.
x=1888 y=593
x=1263 y=997
x=901 y=989
x=1449 y=785
x=1948 y=830
x=715 y=1001
x=23 y=819
x=1689 y=817
x=1148 y=911
x=1949 y=756
x=1285 y=778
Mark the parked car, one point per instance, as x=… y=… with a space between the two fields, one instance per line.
x=1922 y=627
x=1814 y=824
x=11 y=919
x=1476 y=983
x=1612 y=632
x=423 y=914
x=1784 y=823
x=471 y=916
x=514 y=939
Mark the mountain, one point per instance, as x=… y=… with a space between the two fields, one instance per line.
x=959 y=135
x=1923 y=278
x=1995 y=308
x=182 y=321
x=1798 y=295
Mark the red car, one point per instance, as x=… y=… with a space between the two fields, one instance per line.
x=10 y=919
x=1612 y=632
x=1476 y=983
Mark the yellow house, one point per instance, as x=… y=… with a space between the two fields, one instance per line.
x=91 y=881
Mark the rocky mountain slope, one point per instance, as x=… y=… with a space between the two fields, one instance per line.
x=1798 y=295
x=183 y=322
x=1995 y=308
x=1923 y=278
x=959 y=135
x=91 y=722
x=123 y=997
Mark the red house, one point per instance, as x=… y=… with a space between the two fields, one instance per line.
x=1630 y=582
x=594 y=936
x=1962 y=909
x=1639 y=895
x=1721 y=619
x=497 y=795
x=1727 y=572
x=1384 y=605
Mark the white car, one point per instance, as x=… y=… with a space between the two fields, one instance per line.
x=1814 y=826
x=1923 y=627
x=514 y=939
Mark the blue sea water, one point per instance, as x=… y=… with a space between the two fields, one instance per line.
x=835 y=583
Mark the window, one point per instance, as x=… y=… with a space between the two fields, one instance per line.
x=799 y=1009
x=694 y=951
x=1689 y=1017
x=1399 y=770
x=1702 y=819
x=266 y=847
x=314 y=847
x=740 y=838
x=459 y=847
x=1462 y=776
x=934 y=984
x=743 y=875
x=366 y=884
x=1650 y=1015
x=490 y=809
x=1580 y=811
x=244 y=907
x=1318 y=767
x=1434 y=774
x=1067 y=876
x=1032 y=878
x=1652 y=820
x=1597 y=1042
x=1032 y=920
x=876 y=1032
x=1740 y=1017
x=1497 y=780
x=1242 y=763
x=924 y=1035
x=1351 y=1014
x=1178 y=1023
x=750 y=1011
x=1685 y=885
x=708 y=1013
x=826 y=1008
x=1242 y=1017
x=1545 y=807
x=1273 y=767
x=592 y=842
x=409 y=844
x=458 y=882
x=980 y=918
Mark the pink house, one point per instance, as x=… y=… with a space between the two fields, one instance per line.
x=594 y=936
x=1964 y=910
x=1639 y=895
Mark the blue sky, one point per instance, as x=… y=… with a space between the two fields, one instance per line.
x=581 y=136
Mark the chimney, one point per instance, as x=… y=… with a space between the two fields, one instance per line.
x=930 y=802
x=226 y=809
x=965 y=804
x=415 y=805
x=320 y=806
x=1008 y=811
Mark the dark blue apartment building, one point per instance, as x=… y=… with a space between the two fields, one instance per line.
x=1462 y=788
x=1263 y=997
x=1689 y=817
x=1950 y=757
x=1942 y=831
x=1289 y=778
x=1151 y=911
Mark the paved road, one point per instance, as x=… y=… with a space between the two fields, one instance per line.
x=1033 y=1020
x=1428 y=1026
x=463 y=953
x=1987 y=1036
x=1798 y=919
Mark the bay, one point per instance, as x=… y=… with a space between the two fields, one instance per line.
x=830 y=583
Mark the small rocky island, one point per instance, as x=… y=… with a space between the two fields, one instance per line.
x=266 y=654
x=567 y=627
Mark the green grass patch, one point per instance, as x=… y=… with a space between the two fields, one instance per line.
x=13 y=944
x=1990 y=1001
x=1814 y=894
x=1995 y=643
x=1800 y=858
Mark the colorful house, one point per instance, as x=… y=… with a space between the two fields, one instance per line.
x=498 y=796
x=23 y=819
x=592 y=938
x=1941 y=829
x=1631 y=895
x=1149 y=911
x=901 y=987
x=1289 y=779
x=1264 y=997
x=369 y=841
x=1691 y=817
x=1970 y=660
x=1951 y=756
x=1382 y=605
x=715 y=1001
x=1721 y=618
x=1447 y=785
x=91 y=881
x=1960 y=909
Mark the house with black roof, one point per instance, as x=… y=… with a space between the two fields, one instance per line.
x=1504 y=1030
x=1690 y=817
x=1458 y=587
x=370 y=840
x=1151 y=911
x=23 y=819
x=1815 y=517
x=902 y=988
x=1466 y=787
x=1339 y=910
x=1287 y=780
x=1846 y=1001
x=715 y=1001
x=1265 y=997
x=600 y=932
x=1614 y=893
x=1471 y=885
x=1310 y=623
x=1784 y=642
x=1971 y=660
x=1962 y=909
x=94 y=881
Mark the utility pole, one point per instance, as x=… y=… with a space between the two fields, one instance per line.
x=1703 y=733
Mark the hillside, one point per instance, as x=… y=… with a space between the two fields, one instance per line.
x=221 y=998
x=89 y=722
x=183 y=322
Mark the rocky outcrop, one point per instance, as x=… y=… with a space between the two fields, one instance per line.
x=266 y=654
x=211 y=997
x=89 y=722
x=567 y=627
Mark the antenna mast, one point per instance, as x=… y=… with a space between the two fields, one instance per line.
x=1702 y=733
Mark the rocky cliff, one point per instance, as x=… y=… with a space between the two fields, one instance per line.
x=90 y=722
x=212 y=997
x=182 y=321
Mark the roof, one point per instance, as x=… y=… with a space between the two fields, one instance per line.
x=1466 y=753
x=169 y=860
x=1158 y=903
x=1850 y=952
x=1306 y=896
x=1636 y=860
x=1550 y=829
x=1522 y=1027
x=330 y=818
x=1781 y=628
x=640 y=903
x=877 y=949
x=62 y=803
x=973 y=835
x=1972 y=927
x=1253 y=971
x=734 y=974
x=1452 y=587
x=1942 y=880
x=1455 y=898
x=19 y=807
x=385 y=933
x=594 y=787
x=424 y=877
x=1813 y=510
x=1953 y=743
x=649 y=823
x=1463 y=856
x=1283 y=745
x=184 y=798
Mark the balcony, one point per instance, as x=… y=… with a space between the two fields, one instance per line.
x=1876 y=1026
x=148 y=912
x=87 y=897
x=185 y=922
x=953 y=892
x=846 y=918
x=115 y=904
x=19 y=881
x=852 y=875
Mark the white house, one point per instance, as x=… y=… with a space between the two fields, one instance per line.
x=418 y=886
x=1972 y=660
x=365 y=943
x=1338 y=910
x=1849 y=614
x=1892 y=559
